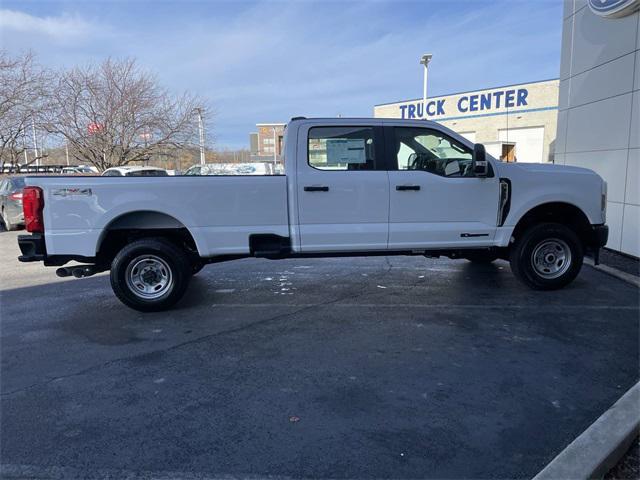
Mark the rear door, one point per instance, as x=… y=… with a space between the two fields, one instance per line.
x=435 y=199
x=342 y=188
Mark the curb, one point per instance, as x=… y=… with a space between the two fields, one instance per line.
x=600 y=446
x=614 y=272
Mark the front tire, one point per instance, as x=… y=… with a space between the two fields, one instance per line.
x=547 y=256
x=150 y=274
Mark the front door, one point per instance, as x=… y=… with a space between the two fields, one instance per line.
x=435 y=199
x=342 y=189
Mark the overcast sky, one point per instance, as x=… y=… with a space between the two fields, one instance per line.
x=261 y=62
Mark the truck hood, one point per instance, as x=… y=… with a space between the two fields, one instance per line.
x=544 y=168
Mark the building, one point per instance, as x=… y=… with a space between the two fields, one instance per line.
x=270 y=137
x=515 y=122
x=599 y=106
x=253 y=143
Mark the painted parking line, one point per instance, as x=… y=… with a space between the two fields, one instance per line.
x=433 y=306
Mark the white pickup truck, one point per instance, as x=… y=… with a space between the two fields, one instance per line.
x=351 y=187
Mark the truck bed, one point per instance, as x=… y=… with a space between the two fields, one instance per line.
x=219 y=211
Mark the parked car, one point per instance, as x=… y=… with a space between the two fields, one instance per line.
x=351 y=187
x=135 y=171
x=11 y=202
x=79 y=170
x=254 y=168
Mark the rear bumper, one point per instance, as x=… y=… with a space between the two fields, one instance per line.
x=32 y=247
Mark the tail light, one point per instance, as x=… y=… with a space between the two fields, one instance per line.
x=17 y=196
x=32 y=206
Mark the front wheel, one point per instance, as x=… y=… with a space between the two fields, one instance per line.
x=547 y=256
x=150 y=274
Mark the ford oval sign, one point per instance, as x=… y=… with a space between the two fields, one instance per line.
x=614 y=8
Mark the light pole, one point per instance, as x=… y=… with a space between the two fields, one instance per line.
x=201 y=131
x=424 y=60
x=35 y=140
x=275 y=146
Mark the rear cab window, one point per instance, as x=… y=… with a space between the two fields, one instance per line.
x=342 y=148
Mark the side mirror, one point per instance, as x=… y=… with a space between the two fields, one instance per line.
x=480 y=163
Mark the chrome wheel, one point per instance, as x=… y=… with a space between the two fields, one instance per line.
x=149 y=277
x=551 y=258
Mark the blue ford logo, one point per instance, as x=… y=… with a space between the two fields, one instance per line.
x=614 y=8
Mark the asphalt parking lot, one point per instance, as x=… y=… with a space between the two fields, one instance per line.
x=398 y=367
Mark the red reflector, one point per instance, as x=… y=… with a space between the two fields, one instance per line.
x=16 y=196
x=32 y=206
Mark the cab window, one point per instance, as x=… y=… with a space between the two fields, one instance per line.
x=341 y=148
x=431 y=151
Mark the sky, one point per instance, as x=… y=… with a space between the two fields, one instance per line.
x=268 y=61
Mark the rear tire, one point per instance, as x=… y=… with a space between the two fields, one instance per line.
x=547 y=256
x=150 y=274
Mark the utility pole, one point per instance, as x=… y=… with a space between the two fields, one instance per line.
x=275 y=147
x=201 y=131
x=66 y=150
x=35 y=140
x=424 y=60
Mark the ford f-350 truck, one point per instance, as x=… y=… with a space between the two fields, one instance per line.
x=351 y=187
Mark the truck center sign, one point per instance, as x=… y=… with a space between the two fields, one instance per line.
x=466 y=103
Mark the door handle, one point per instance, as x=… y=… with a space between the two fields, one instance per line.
x=403 y=188
x=316 y=188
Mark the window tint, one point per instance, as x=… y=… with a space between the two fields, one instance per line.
x=341 y=148
x=148 y=173
x=431 y=151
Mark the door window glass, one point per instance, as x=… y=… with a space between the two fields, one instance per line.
x=431 y=151
x=341 y=148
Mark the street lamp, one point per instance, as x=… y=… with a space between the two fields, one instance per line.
x=424 y=60
x=201 y=132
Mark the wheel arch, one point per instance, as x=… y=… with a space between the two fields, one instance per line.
x=562 y=212
x=143 y=223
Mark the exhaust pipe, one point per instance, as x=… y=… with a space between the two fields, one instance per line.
x=63 y=272
x=80 y=271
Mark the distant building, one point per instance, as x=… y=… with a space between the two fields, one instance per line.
x=253 y=143
x=270 y=137
x=514 y=122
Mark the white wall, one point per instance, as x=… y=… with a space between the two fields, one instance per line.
x=598 y=117
x=529 y=143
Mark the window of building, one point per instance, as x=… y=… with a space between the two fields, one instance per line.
x=341 y=148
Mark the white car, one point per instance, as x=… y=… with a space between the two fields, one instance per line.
x=351 y=187
x=254 y=168
x=79 y=170
x=135 y=171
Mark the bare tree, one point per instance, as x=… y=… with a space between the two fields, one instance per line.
x=23 y=103
x=115 y=113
